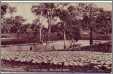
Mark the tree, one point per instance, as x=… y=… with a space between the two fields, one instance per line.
x=11 y=24
x=11 y=10
x=68 y=16
x=46 y=10
x=63 y=15
x=39 y=10
x=37 y=28
x=6 y=26
x=3 y=9
x=89 y=17
x=103 y=25
x=19 y=20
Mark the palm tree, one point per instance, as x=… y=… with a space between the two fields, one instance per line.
x=62 y=13
x=68 y=16
x=89 y=11
x=46 y=10
x=39 y=10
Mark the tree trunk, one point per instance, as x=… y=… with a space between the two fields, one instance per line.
x=64 y=37
x=41 y=34
x=64 y=40
x=49 y=26
x=40 y=30
x=49 y=32
x=91 y=36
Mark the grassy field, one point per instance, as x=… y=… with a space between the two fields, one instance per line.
x=58 y=45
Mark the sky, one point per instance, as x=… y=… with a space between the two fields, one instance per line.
x=24 y=9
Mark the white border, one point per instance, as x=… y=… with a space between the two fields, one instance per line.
x=52 y=2
x=57 y=1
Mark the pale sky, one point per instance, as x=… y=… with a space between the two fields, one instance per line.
x=24 y=9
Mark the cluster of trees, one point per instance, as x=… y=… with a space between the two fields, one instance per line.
x=73 y=19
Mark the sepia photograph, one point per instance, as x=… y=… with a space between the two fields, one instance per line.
x=56 y=37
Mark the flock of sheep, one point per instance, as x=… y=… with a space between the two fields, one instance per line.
x=74 y=60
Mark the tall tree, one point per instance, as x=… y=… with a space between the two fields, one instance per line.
x=68 y=16
x=89 y=17
x=46 y=10
x=103 y=23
